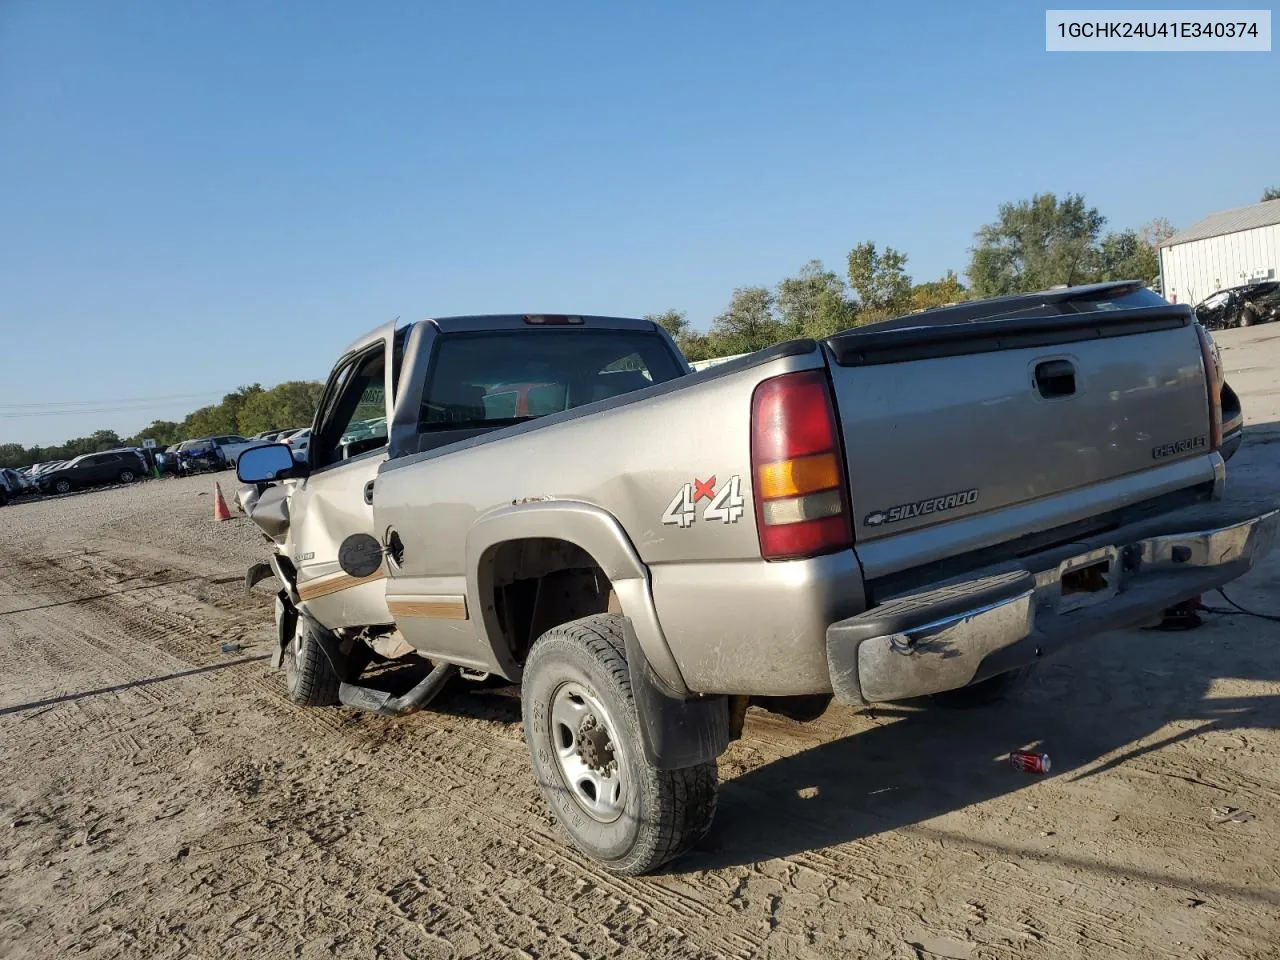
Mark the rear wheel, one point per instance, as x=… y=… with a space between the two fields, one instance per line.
x=309 y=677
x=984 y=693
x=583 y=733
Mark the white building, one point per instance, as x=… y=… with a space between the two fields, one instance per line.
x=713 y=362
x=1223 y=250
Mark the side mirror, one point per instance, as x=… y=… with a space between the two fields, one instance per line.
x=265 y=464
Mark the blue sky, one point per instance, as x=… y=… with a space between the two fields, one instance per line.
x=195 y=196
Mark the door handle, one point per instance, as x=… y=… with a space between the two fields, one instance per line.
x=368 y=493
x=1055 y=378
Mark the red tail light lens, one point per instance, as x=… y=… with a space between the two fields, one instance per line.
x=801 y=507
x=1212 y=384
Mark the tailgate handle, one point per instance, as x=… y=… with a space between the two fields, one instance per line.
x=1055 y=378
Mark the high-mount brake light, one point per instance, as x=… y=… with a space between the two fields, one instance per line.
x=801 y=507
x=551 y=319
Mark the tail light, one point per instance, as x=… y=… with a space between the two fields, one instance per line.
x=1212 y=384
x=801 y=506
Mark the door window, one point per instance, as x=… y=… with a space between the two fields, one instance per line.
x=359 y=398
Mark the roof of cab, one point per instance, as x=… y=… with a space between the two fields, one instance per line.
x=476 y=323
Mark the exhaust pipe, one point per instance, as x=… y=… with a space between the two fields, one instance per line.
x=382 y=702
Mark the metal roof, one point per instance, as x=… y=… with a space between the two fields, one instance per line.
x=1229 y=221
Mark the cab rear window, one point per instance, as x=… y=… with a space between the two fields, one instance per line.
x=495 y=379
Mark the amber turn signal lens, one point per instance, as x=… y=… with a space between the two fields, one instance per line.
x=794 y=478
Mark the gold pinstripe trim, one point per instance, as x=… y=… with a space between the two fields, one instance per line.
x=430 y=608
x=323 y=586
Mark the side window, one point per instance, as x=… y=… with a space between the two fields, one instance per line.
x=355 y=422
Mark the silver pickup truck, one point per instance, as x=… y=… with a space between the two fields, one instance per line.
x=918 y=508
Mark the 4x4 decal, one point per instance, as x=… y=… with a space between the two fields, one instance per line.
x=727 y=505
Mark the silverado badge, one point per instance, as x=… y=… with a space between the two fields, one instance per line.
x=920 y=508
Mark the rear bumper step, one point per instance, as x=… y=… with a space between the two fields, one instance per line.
x=959 y=633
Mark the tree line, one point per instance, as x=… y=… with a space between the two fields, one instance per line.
x=1031 y=245
x=245 y=411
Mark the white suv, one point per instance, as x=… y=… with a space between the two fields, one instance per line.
x=232 y=445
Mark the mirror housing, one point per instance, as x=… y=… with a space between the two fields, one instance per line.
x=266 y=464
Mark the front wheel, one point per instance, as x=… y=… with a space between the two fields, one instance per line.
x=127 y=476
x=309 y=677
x=583 y=733
x=62 y=486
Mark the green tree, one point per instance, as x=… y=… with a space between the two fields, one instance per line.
x=814 y=303
x=1126 y=256
x=289 y=404
x=1155 y=232
x=673 y=321
x=14 y=455
x=747 y=323
x=1271 y=193
x=163 y=432
x=880 y=280
x=1035 y=244
x=938 y=293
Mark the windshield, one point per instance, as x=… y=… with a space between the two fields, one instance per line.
x=493 y=379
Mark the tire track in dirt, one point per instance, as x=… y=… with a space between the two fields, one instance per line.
x=462 y=770
x=148 y=621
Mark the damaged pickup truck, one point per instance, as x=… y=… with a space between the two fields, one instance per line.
x=923 y=507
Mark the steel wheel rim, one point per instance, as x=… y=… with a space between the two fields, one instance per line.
x=588 y=755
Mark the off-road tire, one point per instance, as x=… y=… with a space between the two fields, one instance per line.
x=985 y=693
x=309 y=677
x=666 y=811
x=127 y=476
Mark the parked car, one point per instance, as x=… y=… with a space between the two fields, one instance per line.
x=364 y=430
x=231 y=446
x=200 y=456
x=299 y=443
x=17 y=483
x=39 y=469
x=1241 y=306
x=267 y=436
x=122 y=465
x=923 y=507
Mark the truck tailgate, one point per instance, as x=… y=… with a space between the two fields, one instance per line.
x=948 y=422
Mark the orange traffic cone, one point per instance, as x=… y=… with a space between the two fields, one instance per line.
x=220 y=511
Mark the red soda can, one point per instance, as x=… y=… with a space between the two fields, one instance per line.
x=1029 y=762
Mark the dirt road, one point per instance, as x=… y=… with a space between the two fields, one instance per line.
x=160 y=798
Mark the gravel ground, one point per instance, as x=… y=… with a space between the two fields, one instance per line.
x=162 y=799
x=171 y=514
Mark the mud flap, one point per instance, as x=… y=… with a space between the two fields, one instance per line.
x=256 y=574
x=674 y=733
x=286 y=623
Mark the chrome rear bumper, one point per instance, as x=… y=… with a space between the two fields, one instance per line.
x=958 y=633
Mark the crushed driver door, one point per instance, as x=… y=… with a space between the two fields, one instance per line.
x=335 y=499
